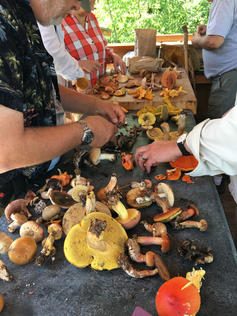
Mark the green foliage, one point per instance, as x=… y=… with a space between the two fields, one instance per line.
x=166 y=16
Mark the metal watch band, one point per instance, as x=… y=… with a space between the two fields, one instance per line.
x=183 y=149
x=88 y=135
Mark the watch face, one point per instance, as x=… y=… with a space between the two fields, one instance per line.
x=87 y=137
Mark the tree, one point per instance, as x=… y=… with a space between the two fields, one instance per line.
x=166 y=16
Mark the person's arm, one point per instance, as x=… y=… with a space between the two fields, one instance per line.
x=25 y=146
x=208 y=42
x=213 y=143
x=220 y=22
x=65 y=65
x=76 y=102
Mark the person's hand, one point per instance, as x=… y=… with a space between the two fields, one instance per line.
x=157 y=152
x=196 y=39
x=111 y=111
x=202 y=29
x=89 y=65
x=103 y=130
x=118 y=62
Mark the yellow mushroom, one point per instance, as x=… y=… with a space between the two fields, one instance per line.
x=97 y=241
x=146 y=120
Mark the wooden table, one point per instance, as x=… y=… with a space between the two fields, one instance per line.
x=64 y=290
x=184 y=101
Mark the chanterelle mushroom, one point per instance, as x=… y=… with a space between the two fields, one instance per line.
x=96 y=156
x=97 y=241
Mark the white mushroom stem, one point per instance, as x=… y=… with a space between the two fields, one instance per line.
x=107 y=156
x=90 y=202
x=144 y=199
x=17 y=221
x=4 y=273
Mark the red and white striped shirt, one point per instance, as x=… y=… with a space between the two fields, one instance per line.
x=86 y=43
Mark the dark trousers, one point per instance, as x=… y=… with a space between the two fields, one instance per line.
x=223 y=94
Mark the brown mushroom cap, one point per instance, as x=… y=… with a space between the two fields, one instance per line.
x=22 y=250
x=132 y=220
x=133 y=194
x=32 y=229
x=50 y=211
x=73 y=216
x=95 y=155
x=61 y=199
x=1 y=302
x=5 y=242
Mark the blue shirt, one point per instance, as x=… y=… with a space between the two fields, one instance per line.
x=223 y=22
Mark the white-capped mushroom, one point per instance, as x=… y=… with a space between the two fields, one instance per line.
x=32 y=229
x=5 y=242
x=17 y=220
x=96 y=156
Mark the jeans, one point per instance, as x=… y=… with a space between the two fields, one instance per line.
x=222 y=94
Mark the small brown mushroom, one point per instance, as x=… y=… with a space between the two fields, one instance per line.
x=17 y=206
x=61 y=198
x=17 y=220
x=96 y=156
x=5 y=242
x=4 y=273
x=201 y=225
x=51 y=212
x=22 y=250
x=138 y=197
x=157 y=229
x=32 y=229
x=124 y=263
x=163 y=241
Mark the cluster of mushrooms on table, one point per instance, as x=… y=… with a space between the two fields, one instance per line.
x=95 y=224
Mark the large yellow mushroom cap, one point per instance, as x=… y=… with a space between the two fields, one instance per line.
x=81 y=248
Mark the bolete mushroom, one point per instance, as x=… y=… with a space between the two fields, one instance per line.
x=96 y=156
x=32 y=229
x=73 y=216
x=22 y=250
x=97 y=241
x=5 y=242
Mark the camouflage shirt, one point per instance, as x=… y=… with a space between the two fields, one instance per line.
x=27 y=82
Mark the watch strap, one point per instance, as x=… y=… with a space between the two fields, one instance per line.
x=183 y=149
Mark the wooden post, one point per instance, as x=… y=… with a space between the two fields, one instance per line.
x=185 y=30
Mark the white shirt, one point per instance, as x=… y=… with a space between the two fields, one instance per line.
x=65 y=64
x=214 y=144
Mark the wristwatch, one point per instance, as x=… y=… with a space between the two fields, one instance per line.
x=88 y=135
x=180 y=144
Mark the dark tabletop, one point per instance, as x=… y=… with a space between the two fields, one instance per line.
x=62 y=289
